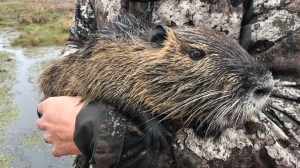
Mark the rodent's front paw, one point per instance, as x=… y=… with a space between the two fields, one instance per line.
x=157 y=137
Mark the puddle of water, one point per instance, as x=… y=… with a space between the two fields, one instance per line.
x=21 y=142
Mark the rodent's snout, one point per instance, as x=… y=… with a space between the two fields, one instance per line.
x=265 y=88
x=264 y=91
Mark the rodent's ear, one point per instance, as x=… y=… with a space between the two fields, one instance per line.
x=159 y=35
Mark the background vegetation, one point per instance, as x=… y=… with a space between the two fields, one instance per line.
x=41 y=22
x=38 y=23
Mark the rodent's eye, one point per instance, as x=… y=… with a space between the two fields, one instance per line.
x=196 y=54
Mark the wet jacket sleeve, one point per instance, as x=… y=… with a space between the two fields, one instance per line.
x=86 y=122
x=119 y=143
x=107 y=139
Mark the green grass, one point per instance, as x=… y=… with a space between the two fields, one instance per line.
x=7 y=77
x=7 y=110
x=33 y=139
x=41 y=22
x=5 y=161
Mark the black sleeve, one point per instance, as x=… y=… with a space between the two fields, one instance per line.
x=107 y=139
x=86 y=123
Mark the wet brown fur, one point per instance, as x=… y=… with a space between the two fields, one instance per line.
x=133 y=74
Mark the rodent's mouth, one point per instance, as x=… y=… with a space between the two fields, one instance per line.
x=236 y=113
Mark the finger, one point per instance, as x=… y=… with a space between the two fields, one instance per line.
x=56 y=152
x=41 y=107
x=41 y=125
x=48 y=138
x=65 y=148
x=39 y=114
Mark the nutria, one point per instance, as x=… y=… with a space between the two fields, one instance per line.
x=192 y=76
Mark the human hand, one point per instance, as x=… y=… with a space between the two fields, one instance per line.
x=58 y=116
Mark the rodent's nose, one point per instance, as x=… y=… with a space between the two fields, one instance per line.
x=263 y=91
x=265 y=87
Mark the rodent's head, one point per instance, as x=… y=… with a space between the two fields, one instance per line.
x=193 y=75
x=205 y=79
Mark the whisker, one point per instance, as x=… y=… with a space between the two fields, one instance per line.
x=179 y=108
x=230 y=107
x=224 y=110
x=237 y=110
x=201 y=108
x=213 y=112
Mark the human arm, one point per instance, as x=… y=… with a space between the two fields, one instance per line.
x=58 y=121
x=98 y=132
x=68 y=124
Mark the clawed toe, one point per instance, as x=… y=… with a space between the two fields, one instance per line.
x=158 y=137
